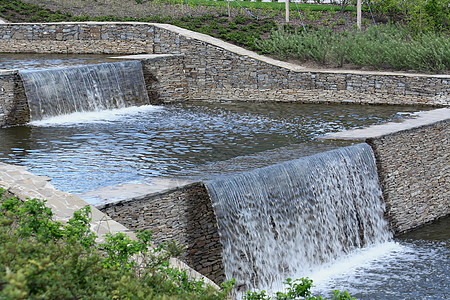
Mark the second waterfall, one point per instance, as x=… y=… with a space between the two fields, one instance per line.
x=285 y=220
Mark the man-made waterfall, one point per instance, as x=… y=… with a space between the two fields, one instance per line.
x=284 y=220
x=96 y=87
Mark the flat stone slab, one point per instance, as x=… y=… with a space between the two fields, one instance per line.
x=129 y=190
x=420 y=119
x=8 y=72
x=146 y=56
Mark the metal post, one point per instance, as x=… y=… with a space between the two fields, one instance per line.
x=358 y=14
x=287 y=10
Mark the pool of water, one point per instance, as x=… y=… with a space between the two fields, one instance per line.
x=28 y=61
x=134 y=147
x=89 y=151
x=415 y=265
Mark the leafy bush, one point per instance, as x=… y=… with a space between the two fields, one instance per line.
x=419 y=15
x=295 y=289
x=42 y=258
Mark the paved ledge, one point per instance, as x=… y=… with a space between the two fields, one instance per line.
x=147 y=56
x=24 y=184
x=421 y=119
x=8 y=72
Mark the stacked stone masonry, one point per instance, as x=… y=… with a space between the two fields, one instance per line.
x=215 y=70
x=13 y=102
x=184 y=215
x=164 y=78
x=414 y=170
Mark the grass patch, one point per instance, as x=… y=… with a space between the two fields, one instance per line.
x=265 y=5
x=21 y=11
x=382 y=47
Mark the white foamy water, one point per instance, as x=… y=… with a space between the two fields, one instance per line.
x=351 y=264
x=296 y=217
x=103 y=116
x=406 y=269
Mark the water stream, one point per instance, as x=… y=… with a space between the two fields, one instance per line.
x=84 y=152
x=299 y=215
x=97 y=87
x=290 y=218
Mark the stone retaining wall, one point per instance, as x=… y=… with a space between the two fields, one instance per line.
x=165 y=78
x=218 y=70
x=414 y=170
x=184 y=215
x=217 y=73
x=13 y=102
x=413 y=165
x=77 y=38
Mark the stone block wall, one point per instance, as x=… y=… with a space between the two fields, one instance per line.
x=164 y=78
x=13 y=102
x=414 y=170
x=185 y=215
x=218 y=70
x=109 y=38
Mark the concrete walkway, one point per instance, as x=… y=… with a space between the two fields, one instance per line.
x=23 y=184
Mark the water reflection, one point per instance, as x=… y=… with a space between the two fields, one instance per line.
x=85 y=153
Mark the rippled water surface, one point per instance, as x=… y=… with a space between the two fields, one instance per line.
x=86 y=152
x=83 y=152
x=415 y=266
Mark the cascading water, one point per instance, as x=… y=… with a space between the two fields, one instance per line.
x=285 y=220
x=95 y=87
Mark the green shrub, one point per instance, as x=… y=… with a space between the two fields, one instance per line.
x=44 y=259
x=295 y=289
